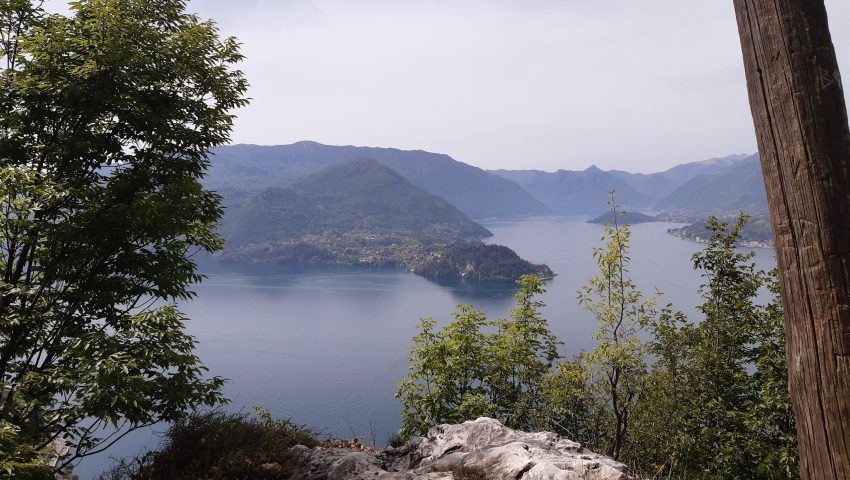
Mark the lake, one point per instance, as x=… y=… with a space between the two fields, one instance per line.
x=324 y=346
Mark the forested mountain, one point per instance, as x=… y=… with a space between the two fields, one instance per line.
x=622 y=218
x=250 y=168
x=681 y=174
x=738 y=188
x=651 y=185
x=359 y=195
x=569 y=192
x=361 y=212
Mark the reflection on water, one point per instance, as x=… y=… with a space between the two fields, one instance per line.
x=477 y=291
x=323 y=346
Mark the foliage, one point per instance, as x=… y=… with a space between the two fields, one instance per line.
x=717 y=403
x=523 y=351
x=771 y=417
x=107 y=118
x=479 y=261
x=755 y=230
x=217 y=445
x=621 y=217
x=721 y=355
x=671 y=396
x=617 y=365
x=445 y=381
x=461 y=372
x=358 y=195
x=575 y=409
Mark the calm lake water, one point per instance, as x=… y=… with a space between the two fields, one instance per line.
x=324 y=346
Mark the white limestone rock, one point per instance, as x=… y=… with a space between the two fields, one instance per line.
x=483 y=445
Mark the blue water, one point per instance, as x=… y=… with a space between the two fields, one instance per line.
x=324 y=346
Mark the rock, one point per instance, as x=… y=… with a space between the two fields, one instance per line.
x=483 y=445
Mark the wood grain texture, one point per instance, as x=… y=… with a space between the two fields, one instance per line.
x=800 y=117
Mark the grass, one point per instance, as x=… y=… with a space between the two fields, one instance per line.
x=397 y=440
x=218 y=446
x=465 y=473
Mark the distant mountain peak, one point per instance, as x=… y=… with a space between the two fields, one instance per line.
x=728 y=160
x=479 y=194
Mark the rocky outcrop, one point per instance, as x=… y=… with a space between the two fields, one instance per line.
x=482 y=449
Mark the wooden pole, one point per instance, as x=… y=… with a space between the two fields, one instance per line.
x=800 y=119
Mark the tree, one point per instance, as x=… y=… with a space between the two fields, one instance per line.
x=523 y=353
x=720 y=354
x=800 y=117
x=462 y=372
x=715 y=403
x=445 y=380
x=771 y=418
x=107 y=119
x=618 y=360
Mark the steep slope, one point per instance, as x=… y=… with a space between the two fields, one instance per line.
x=249 y=168
x=359 y=195
x=364 y=213
x=580 y=192
x=363 y=194
x=584 y=192
x=681 y=174
x=738 y=189
x=653 y=186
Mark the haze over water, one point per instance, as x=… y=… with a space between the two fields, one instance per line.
x=324 y=346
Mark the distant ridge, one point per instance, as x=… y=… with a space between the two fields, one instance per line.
x=569 y=192
x=738 y=187
x=240 y=172
x=243 y=168
x=358 y=195
x=683 y=188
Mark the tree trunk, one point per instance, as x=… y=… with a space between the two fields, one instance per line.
x=800 y=118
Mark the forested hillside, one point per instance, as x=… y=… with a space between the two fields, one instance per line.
x=740 y=188
x=250 y=168
x=361 y=212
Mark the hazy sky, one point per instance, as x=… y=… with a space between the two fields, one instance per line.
x=638 y=85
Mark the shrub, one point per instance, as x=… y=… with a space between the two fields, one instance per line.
x=217 y=445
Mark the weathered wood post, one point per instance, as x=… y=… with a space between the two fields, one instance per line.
x=800 y=118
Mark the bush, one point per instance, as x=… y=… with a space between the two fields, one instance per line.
x=217 y=445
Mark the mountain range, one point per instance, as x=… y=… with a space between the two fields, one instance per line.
x=715 y=186
x=238 y=169
x=736 y=187
x=357 y=195
x=314 y=203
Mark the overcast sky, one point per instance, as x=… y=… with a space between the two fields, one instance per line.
x=638 y=85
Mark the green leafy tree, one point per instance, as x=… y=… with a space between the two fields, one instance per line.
x=771 y=416
x=716 y=403
x=473 y=367
x=659 y=437
x=445 y=381
x=719 y=378
x=108 y=115
x=618 y=362
x=523 y=352
x=574 y=408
